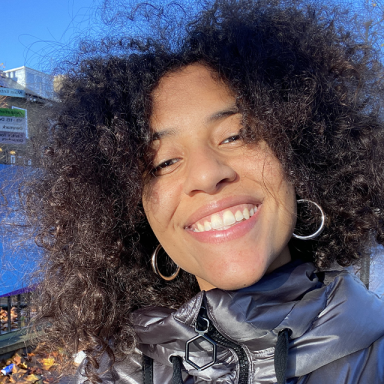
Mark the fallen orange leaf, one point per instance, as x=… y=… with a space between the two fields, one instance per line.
x=16 y=358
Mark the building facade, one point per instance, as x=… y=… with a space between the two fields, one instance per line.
x=16 y=96
x=36 y=81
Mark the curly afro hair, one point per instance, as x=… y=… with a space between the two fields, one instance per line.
x=303 y=83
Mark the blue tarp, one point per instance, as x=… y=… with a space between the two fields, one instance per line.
x=18 y=253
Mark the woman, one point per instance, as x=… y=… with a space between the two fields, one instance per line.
x=249 y=152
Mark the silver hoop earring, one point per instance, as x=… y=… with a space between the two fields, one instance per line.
x=156 y=268
x=320 y=229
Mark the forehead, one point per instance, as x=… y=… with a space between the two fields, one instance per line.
x=197 y=74
x=190 y=93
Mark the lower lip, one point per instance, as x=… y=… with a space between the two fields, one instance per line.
x=233 y=233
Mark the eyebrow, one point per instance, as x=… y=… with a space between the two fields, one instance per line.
x=232 y=110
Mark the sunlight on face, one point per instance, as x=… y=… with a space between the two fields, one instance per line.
x=221 y=209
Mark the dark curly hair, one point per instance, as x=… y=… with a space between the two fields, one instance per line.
x=303 y=82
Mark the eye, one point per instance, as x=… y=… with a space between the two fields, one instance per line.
x=231 y=139
x=161 y=169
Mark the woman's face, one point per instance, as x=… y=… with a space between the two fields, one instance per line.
x=221 y=209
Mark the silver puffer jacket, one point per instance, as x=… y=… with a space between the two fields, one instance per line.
x=335 y=328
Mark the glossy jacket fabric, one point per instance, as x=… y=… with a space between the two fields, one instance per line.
x=336 y=332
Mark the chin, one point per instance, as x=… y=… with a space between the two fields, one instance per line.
x=235 y=285
x=232 y=275
x=235 y=280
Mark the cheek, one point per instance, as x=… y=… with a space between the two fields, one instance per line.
x=281 y=198
x=160 y=201
x=258 y=162
x=274 y=180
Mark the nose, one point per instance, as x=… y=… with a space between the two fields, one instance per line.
x=207 y=172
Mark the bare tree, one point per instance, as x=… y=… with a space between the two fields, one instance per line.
x=371 y=18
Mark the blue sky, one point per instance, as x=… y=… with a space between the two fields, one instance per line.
x=38 y=33
x=35 y=32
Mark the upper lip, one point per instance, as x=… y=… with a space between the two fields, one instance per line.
x=217 y=206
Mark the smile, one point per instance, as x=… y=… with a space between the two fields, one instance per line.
x=225 y=219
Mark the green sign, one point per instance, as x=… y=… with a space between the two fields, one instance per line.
x=12 y=92
x=12 y=112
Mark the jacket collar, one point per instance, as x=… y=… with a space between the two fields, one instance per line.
x=321 y=319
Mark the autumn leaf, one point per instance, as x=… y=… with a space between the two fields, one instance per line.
x=22 y=371
x=37 y=367
x=47 y=363
x=16 y=359
x=32 y=378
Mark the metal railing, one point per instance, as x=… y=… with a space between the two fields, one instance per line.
x=15 y=312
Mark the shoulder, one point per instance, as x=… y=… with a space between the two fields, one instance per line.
x=354 y=318
x=361 y=367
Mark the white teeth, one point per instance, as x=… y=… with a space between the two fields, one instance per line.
x=216 y=221
x=225 y=221
x=239 y=216
x=207 y=226
x=228 y=218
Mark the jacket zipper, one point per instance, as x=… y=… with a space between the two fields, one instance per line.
x=218 y=338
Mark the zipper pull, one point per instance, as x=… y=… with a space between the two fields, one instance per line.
x=201 y=334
